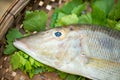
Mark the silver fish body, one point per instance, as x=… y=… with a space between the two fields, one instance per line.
x=90 y=51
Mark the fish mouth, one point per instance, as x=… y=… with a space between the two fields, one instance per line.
x=21 y=45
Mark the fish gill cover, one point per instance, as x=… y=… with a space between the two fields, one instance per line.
x=98 y=12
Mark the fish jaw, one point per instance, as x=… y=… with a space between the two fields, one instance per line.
x=20 y=45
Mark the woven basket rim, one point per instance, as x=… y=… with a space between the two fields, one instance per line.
x=12 y=4
x=8 y=17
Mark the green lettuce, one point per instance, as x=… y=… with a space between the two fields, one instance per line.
x=35 y=20
x=67 y=19
x=11 y=36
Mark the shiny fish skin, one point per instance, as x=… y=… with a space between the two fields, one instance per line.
x=87 y=50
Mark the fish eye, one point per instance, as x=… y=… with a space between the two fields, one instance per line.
x=58 y=34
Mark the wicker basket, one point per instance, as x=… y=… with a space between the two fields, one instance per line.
x=12 y=17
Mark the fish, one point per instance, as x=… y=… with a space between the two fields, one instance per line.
x=87 y=50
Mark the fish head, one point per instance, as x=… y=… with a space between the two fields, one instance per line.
x=55 y=47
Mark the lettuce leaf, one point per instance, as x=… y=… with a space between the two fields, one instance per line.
x=111 y=23
x=114 y=14
x=68 y=7
x=117 y=26
x=85 y=19
x=11 y=36
x=21 y=60
x=98 y=16
x=54 y=17
x=78 y=10
x=104 y=5
x=66 y=20
x=35 y=20
x=15 y=61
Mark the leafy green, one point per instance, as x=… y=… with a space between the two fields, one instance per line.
x=66 y=20
x=35 y=20
x=31 y=61
x=9 y=49
x=15 y=61
x=62 y=74
x=85 y=19
x=39 y=70
x=28 y=66
x=60 y=15
x=104 y=5
x=101 y=13
x=11 y=36
x=115 y=12
x=77 y=10
x=81 y=78
x=98 y=16
x=114 y=17
x=117 y=26
x=67 y=8
x=111 y=23
x=71 y=77
x=54 y=17
x=21 y=60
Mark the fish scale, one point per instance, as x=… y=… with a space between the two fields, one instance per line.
x=87 y=50
x=102 y=68
x=103 y=45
